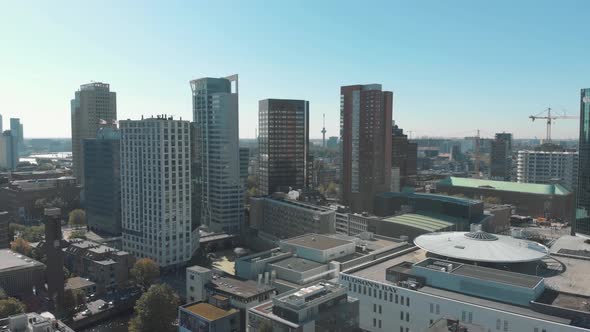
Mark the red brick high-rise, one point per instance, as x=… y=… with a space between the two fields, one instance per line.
x=365 y=131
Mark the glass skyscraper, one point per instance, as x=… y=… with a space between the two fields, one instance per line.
x=215 y=113
x=583 y=199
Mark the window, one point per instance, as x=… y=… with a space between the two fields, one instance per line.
x=498 y=323
x=408 y=301
x=380 y=309
x=438 y=309
x=354 y=288
x=505 y=325
x=390 y=297
x=380 y=323
x=432 y=308
x=395 y=298
x=470 y=317
x=374 y=322
x=407 y=316
x=463 y=316
x=401 y=315
x=374 y=307
x=401 y=329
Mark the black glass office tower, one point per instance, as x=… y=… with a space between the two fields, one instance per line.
x=583 y=197
x=283 y=143
x=102 y=181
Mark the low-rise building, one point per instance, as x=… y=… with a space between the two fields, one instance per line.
x=20 y=197
x=514 y=286
x=19 y=274
x=286 y=218
x=306 y=259
x=323 y=306
x=213 y=316
x=105 y=266
x=550 y=201
x=78 y=283
x=202 y=284
x=33 y=322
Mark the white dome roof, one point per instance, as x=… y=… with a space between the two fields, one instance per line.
x=481 y=247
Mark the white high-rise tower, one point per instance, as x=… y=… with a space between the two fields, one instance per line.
x=155 y=190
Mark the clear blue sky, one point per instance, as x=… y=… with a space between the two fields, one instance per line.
x=454 y=66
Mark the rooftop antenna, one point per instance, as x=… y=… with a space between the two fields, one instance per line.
x=324 y=132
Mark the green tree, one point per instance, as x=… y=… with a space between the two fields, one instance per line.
x=21 y=246
x=72 y=298
x=492 y=200
x=265 y=326
x=331 y=189
x=2 y=294
x=11 y=306
x=77 y=218
x=78 y=234
x=156 y=310
x=46 y=167
x=145 y=272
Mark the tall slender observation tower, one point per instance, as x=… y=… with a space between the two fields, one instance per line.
x=324 y=132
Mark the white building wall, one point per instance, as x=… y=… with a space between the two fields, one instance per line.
x=544 y=167
x=155 y=190
x=418 y=310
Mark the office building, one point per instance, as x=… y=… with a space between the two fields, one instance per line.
x=501 y=157
x=102 y=182
x=365 y=136
x=16 y=128
x=332 y=142
x=583 y=191
x=404 y=160
x=224 y=291
x=497 y=283
x=303 y=260
x=244 y=163
x=8 y=150
x=156 y=190
x=283 y=145
x=286 y=218
x=215 y=315
x=4 y=223
x=19 y=275
x=94 y=106
x=20 y=197
x=546 y=167
x=215 y=114
x=322 y=306
x=549 y=201
x=107 y=267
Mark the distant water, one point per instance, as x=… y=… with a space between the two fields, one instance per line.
x=118 y=324
x=52 y=156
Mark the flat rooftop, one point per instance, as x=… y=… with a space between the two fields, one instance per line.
x=529 y=188
x=423 y=222
x=316 y=241
x=377 y=271
x=491 y=304
x=504 y=277
x=9 y=260
x=78 y=282
x=297 y=264
x=238 y=287
x=209 y=311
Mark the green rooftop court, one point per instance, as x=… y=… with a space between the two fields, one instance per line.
x=530 y=188
x=428 y=223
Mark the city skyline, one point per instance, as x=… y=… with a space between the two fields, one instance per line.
x=507 y=61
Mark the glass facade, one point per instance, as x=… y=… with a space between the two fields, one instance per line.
x=583 y=194
x=283 y=143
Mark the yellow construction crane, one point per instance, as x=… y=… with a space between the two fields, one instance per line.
x=546 y=114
